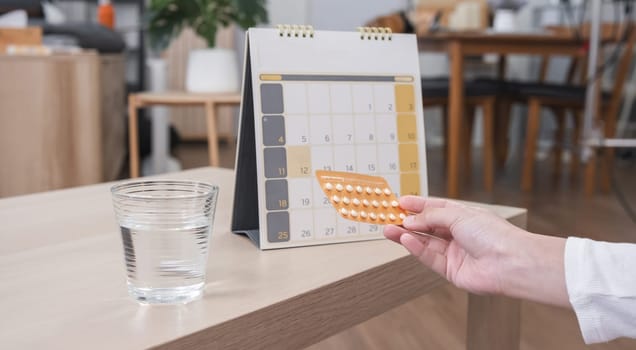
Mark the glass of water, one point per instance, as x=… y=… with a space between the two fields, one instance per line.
x=165 y=229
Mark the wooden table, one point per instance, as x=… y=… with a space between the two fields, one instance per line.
x=174 y=98
x=461 y=44
x=63 y=283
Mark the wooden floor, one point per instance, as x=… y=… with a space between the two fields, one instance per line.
x=437 y=321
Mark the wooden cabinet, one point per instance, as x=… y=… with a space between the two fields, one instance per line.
x=61 y=121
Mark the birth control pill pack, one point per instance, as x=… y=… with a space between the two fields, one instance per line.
x=362 y=198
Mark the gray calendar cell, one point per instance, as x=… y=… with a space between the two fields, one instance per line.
x=275 y=160
x=273 y=130
x=272 y=98
x=276 y=194
x=278 y=227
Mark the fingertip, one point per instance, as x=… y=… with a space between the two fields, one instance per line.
x=417 y=204
x=414 y=223
x=412 y=244
x=408 y=221
x=393 y=233
x=406 y=238
x=410 y=197
x=409 y=201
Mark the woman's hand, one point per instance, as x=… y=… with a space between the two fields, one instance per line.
x=479 y=251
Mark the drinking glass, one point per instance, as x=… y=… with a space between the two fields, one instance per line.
x=165 y=229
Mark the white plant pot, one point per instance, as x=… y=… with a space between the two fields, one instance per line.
x=212 y=70
x=505 y=21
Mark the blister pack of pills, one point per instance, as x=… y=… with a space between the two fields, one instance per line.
x=362 y=198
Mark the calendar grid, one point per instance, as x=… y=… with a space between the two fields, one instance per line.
x=342 y=119
x=312 y=188
x=337 y=220
x=345 y=227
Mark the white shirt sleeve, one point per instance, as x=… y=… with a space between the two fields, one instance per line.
x=601 y=284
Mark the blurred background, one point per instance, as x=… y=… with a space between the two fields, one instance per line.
x=72 y=73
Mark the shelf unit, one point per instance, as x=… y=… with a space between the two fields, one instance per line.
x=130 y=12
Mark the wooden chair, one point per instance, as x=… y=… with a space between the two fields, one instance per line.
x=562 y=98
x=478 y=95
x=509 y=94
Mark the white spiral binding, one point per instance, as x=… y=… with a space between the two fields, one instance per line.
x=375 y=33
x=294 y=30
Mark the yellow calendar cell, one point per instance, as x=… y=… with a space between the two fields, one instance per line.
x=407 y=128
x=409 y=159
x=410 y=184
x=404 y=98
x=271 y=77
x=403 y=79
x=299 y=161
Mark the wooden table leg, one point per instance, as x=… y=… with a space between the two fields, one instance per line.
x=559 y=140
x=503 y=107
x=133 y=136
x=502 y=126
x=488 y=147
x=456 y=111
x=608 y=153
x=532 y=132
x=576 y=143
x=590 y=175
x=494 y=323
x=213 y=137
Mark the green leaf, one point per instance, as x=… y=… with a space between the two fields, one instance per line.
x=166 y=18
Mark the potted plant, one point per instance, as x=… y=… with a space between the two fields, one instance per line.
x=211 y=69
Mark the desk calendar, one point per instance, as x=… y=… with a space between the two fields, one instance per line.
x=323 y=100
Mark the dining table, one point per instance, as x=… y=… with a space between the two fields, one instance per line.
x=460 y=44
x=64 y=286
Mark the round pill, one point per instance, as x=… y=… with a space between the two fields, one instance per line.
x=344 y=211
x=363 y=214
x=387 y=191
x=375 y=203
x=365 y=202
x=378 y=191
x=335 y=198
x=339 y=187
x=346 y=200
x=392 y=217
x=395 y=204
x=369 y=190
x=349 y=188
x=355 y=201
x=382 y=217
x=385 y=204
x=328 y=186
x=359 y=189
x=373 y=216
x=353 y=213
x=402 y=216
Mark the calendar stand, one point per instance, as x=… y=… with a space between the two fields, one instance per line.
x=246 y=186
x=342 y=101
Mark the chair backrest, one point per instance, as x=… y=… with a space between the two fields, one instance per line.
x=610 y=32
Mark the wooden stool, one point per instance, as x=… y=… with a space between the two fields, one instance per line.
x=209 y=101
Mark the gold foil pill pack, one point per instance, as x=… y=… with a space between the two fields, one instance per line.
x=362 y=198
